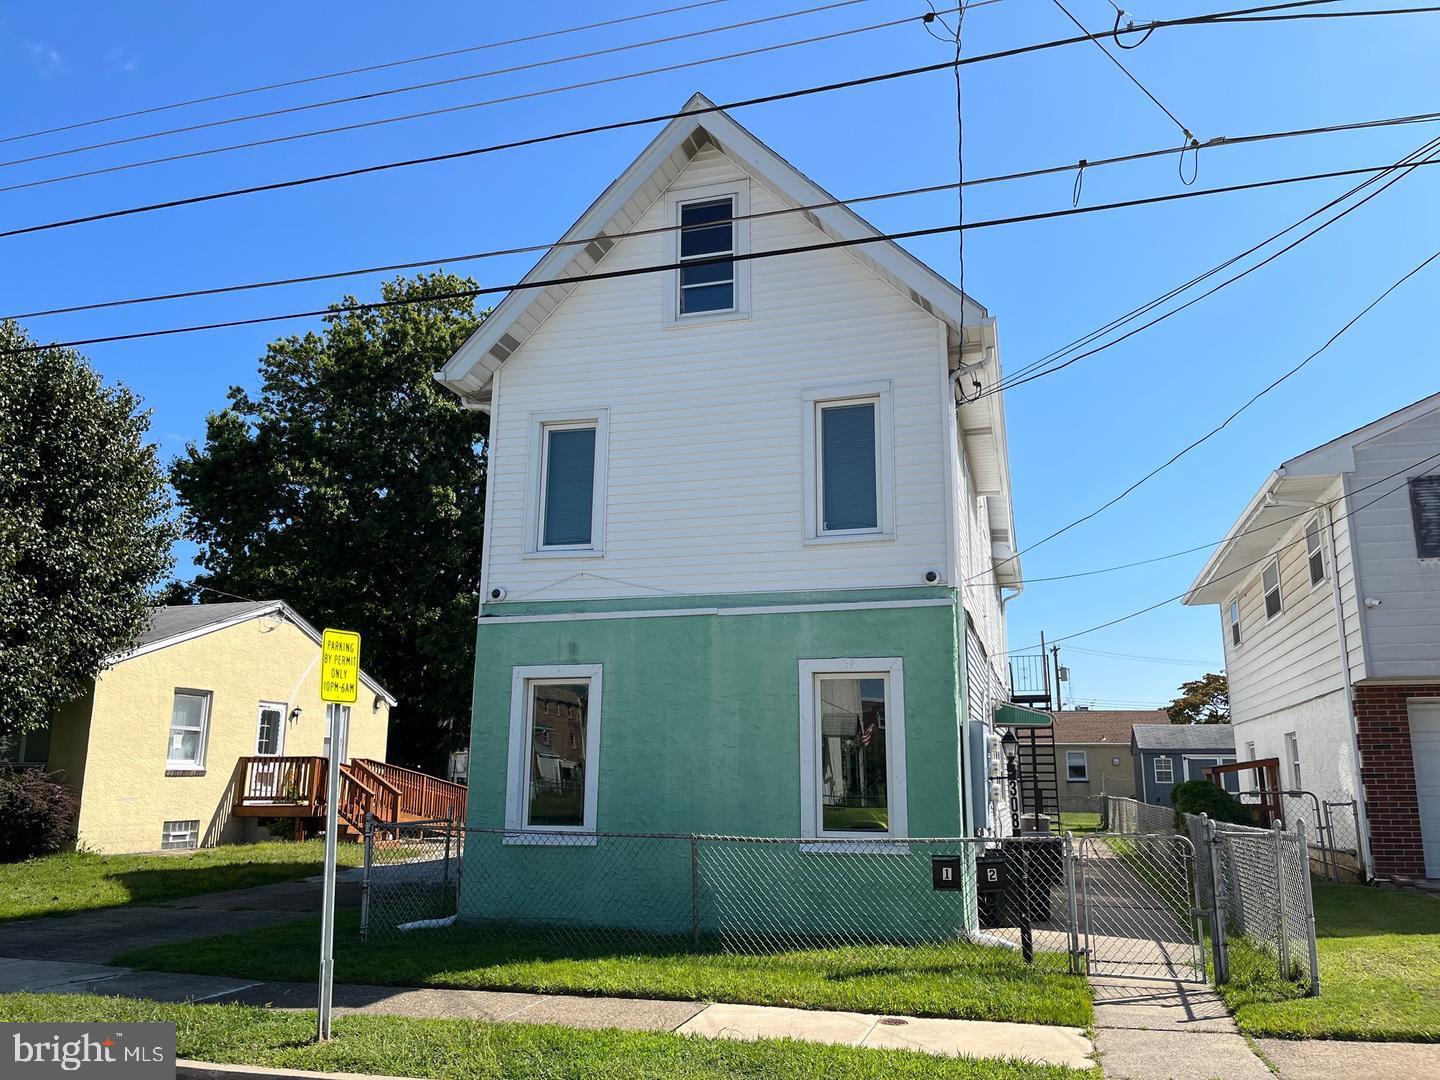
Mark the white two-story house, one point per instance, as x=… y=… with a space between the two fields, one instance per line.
x=749 y=543
x=1329 y=594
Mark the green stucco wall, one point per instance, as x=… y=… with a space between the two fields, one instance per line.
x=700 y=733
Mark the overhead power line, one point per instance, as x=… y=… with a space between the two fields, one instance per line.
x=1243 y=140
x=1214 y=18
x=1038 y=369
x=455 y=80
x=307 y=79
x=1268 y=555
x=742 y=257
x=1255 y=397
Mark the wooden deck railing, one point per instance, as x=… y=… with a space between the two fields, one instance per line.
x=422 y=797
x=283 y=783
x=296 y=787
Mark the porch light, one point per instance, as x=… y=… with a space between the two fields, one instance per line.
x=1010 y=744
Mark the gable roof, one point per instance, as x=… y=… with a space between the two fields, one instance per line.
x=175 y=623
x=1091 y=726
x=1220 y=737
x=971 y=336
x=1272 y=512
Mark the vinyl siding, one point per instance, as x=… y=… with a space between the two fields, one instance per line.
x=1295 y=656
x=706 y=457
x=1402 y=635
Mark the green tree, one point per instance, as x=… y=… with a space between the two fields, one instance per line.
x=85 y=526
x=1202 y=701
x=352 y=486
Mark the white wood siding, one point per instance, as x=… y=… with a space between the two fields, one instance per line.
x=705 y=484
x=977 y=578
x=1295 y=656
x=1402 y=635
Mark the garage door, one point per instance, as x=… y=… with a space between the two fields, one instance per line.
x=1425 y=746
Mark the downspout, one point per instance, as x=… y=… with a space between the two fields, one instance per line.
x=1355 y=758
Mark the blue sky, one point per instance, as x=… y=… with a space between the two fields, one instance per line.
x=1076 y=438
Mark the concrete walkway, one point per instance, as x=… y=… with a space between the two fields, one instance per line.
x=1161 y=1029
x=955 y=1038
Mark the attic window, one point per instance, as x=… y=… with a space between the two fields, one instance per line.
x=707 y=230
x=1425 y=506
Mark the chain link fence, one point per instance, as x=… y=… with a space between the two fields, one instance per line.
x=1254 y=883
x=728 y=894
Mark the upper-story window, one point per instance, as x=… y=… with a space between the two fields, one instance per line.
x=709 y=226
x=707 y=232
x=568 y=485
x=1235 y=621
x=1425 y=507
x=1270 y=579
x=1315 y=552
x=848 y=471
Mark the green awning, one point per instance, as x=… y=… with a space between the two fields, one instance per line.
x=1008 y=715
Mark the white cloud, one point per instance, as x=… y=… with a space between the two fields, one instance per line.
x=46 y=58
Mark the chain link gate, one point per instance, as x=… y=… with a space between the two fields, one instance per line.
x=1138 y=915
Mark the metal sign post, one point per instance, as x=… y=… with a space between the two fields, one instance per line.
x=339 y=686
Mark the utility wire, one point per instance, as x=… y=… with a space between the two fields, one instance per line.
x=1265 y=558
x=743 y=257
x=1400 y=168
x=1189 y=135
x=1198 y=20
x=229 y=94
x=1256 y=397
x=470 y=77
x=855 y=201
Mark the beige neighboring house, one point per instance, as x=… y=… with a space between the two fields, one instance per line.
x=209 y=726
x=1093 y=756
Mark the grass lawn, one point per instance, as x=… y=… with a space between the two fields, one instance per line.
x=473 y=1050
x=1079 y=822
x=79 y=881
x=971 y=982
x=1379 y=972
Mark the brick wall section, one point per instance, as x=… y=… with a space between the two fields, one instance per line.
x=1390 y=799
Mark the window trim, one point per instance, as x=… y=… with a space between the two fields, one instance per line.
x=1084 y=767
x=517 y=784
x=541 y=424
x=739 y=192
x=1169 y=765
x=881 y=393
x=1319 y=550
x=892 y=669
x=199 y=760
x=283 y=710
x=1279 y=589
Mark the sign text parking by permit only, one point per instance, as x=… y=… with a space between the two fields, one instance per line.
x=340 y=666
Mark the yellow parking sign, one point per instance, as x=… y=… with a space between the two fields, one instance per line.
x=340 y=666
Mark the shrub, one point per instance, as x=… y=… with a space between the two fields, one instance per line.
x=1204 y=797
x=37 y=815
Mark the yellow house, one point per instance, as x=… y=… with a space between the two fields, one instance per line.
x=209 y=726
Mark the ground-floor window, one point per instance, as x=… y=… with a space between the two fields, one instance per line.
x=852 y=731
x=1077 y=766
x=554 y=748
x=1164 y=770
x=180 y=835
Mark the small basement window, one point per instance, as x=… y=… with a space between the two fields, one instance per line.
x=1425 y=507
x=180 y=835
x=1077 y=766
x=1315 y=552
x=1270 y=579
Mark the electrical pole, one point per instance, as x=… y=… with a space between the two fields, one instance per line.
x=1055 y=654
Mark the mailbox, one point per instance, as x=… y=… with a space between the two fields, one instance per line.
x=947 y=872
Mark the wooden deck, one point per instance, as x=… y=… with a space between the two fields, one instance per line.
x=296 y=787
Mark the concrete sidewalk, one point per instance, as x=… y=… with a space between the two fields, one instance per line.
x=1164 y=1029
x=954 y=1038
